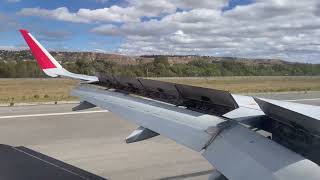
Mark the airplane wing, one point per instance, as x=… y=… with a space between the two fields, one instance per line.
x=47 y=63
x=242 y=137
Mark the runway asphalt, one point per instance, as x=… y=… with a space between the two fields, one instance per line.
x=94 y=141
x=311 y=97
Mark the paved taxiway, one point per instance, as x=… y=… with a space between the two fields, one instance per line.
x=311 y=97
x=94 y=141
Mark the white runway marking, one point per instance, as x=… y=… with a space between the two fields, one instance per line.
x=51 y=114
x=294 y=100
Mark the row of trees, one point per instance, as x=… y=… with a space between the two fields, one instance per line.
x=19 y=69
x=197 y=68
x=161 y=68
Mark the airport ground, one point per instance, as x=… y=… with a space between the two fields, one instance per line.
x=94 y=141
x=58 y=89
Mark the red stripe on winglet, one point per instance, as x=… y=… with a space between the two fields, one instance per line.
x=42 y=59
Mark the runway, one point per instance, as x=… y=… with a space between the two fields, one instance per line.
x=94 y=141
x=311 y=97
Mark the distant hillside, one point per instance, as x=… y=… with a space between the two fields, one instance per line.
x=68 y=56
x=25 y=55
x=17 y=64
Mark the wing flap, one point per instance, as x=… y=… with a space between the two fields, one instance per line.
x=239 y=153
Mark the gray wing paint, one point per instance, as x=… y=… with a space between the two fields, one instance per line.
x=236 y=151
x=186 y=127
x=239 y=153
x=306 y=116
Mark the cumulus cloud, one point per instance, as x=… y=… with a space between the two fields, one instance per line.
x=192 y=4
x=132 y=13
x=263 y=29
x=152 y=7
x=112 y=14
x=107 y=29
x=61 y=13
x=13 y=1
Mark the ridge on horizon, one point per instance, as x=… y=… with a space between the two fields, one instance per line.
x=152 y=56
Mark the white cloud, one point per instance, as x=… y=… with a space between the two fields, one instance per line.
x=152 y=7
x=132 y=13
x=192 y=4
x=112 y=14
x=13 y=1
x=267 y=28
x=107 y=29
x=101 y=51
x=61 y=14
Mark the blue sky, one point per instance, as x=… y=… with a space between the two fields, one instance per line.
x=244 y=28
x=64 y=35
x=73 y=36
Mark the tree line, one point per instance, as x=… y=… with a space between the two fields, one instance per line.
x=160 y=67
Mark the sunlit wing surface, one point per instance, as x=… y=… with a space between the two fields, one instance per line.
x=186 y=127
x=226 y=141
x=240 y=153
x=242 y=137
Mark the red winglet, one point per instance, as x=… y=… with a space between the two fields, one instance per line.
x=41 y=57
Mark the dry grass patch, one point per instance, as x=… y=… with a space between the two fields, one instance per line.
x=58 y=89
x=35 y=90
x=254 y=84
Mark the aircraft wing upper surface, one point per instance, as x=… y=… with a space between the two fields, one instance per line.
x=236 y=151
x=186 y=127
x=221 y=125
